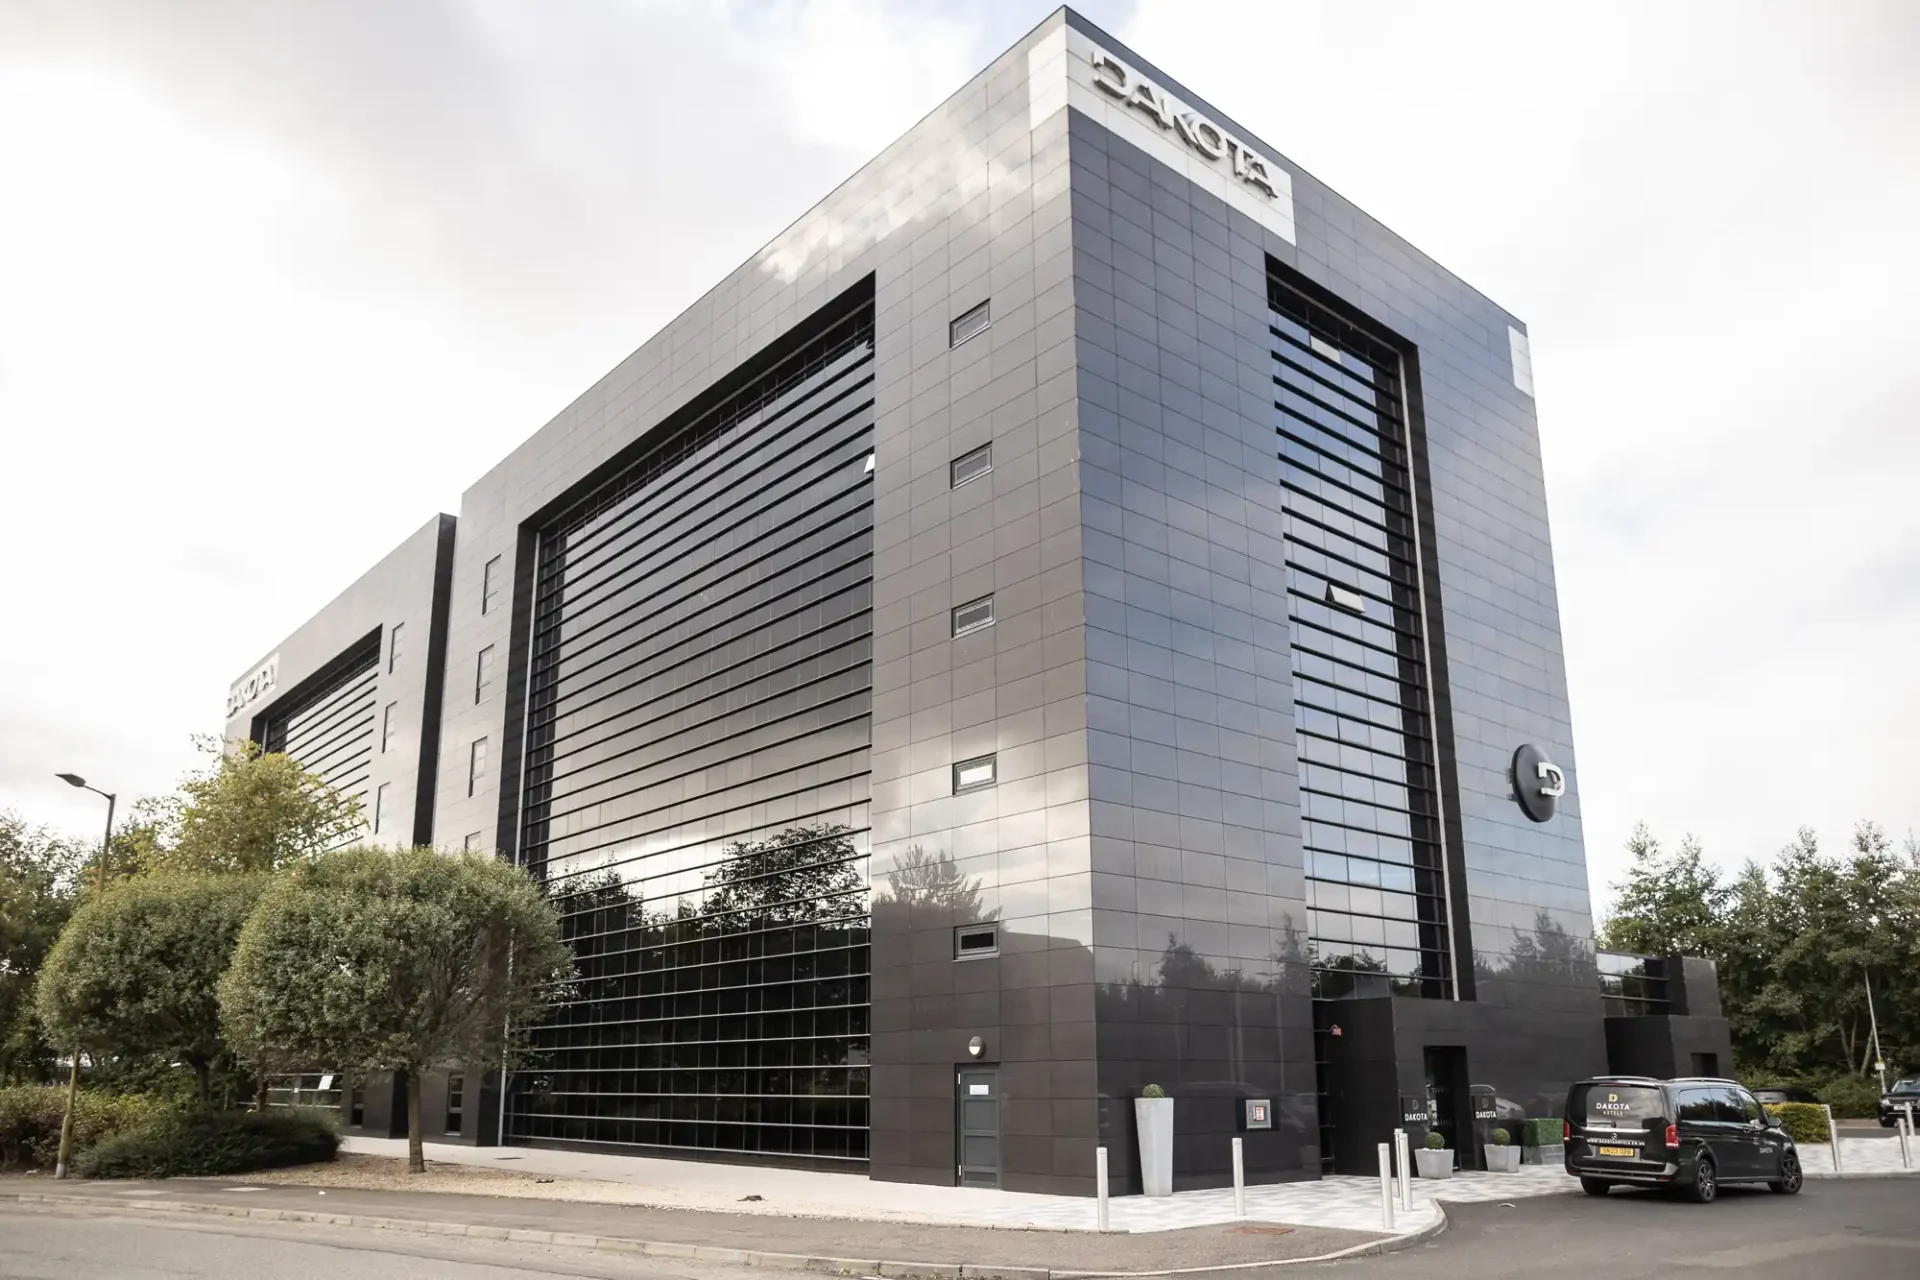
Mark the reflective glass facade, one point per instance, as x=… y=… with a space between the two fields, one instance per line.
x=696 y=777
x=1369 y=818
x=331 y=725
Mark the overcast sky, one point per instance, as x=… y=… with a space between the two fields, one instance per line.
x=278 y=281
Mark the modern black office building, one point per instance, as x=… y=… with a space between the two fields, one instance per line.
x=1075 y=611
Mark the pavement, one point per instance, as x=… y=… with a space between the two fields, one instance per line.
x=1866 y=1229
x=751 y=1239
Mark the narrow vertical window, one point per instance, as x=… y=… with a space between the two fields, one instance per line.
x=490 y=585
x=972 y=464
x=380 y=806
x=476 y=764
x=456 y=1100
x=388 y=722
x=393 y=646
x=969 y=324
x=483 y=674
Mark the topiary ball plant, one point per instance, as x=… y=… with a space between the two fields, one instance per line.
x=1501 y=1137
x=1153 y=1091
x=1436 y=1141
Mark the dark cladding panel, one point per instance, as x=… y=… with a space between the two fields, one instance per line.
x=697 y=775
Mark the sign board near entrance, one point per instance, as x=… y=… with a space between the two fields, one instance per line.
x=1256 y=1113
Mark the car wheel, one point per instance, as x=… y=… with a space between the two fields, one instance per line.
x=1595 y=1186
x=1790 y=1176
x=1706 y=1182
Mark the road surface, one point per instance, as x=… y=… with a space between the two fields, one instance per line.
x=1851 y=1229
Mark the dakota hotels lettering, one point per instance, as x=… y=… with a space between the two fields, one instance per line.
x=1200 y=133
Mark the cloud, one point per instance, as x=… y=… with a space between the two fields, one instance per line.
x=280 y=280
x=1704 y=214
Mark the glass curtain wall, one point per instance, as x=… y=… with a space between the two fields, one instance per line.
x=1376 y=890
x=697 y=778
x=330 y=729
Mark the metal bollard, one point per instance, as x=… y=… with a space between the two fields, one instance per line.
x=1239 y=1182
x=1100 y=1187
x=1906 y=1147
x=1833 y=1136
x=1386 y=1189
x=1405 y=1146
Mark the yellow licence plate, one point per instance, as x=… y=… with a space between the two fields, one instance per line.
x=1628 y=1152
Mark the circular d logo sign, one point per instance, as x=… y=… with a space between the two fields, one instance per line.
x=1538 y=783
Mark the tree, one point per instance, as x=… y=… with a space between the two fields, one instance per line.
x=1668 y=904
x=393 y=960
x=803 y=874
x=38 y=889
x=253 y=811
x=136 y=970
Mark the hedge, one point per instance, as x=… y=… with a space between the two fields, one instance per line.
x=214 y=1143
x=30 y=1118
x=1803 y=1121
x=1543 y=1132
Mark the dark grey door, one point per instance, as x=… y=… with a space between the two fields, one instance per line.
x=977 y=1129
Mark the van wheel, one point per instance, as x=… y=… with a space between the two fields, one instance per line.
x=1595 y=1186
x=1706 y=1184
x=1790 y=1176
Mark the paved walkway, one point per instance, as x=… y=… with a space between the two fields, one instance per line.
x=1342 y=1203
x=864 y=1248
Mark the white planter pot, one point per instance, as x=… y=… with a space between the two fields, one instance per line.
x=1502 y=1159
x=1153 y=1117
x=1433 y=1164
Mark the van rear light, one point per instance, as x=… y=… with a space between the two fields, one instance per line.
x=1566 y=1131
x=1673 y=1137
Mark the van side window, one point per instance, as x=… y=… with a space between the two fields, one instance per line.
x=1727 y=1108
x=1696 y=1104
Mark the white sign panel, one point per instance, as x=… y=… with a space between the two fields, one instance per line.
x=257 y=685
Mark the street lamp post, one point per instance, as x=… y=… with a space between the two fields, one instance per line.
x=73 y=1071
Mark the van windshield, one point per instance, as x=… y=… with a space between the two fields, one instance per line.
x=1622 y=1106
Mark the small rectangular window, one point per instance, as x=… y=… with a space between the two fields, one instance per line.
x=476 y=764
x=483 y=674
x=380 y=806
x=971 y=940
x=389 y=724
x=972 y=465
x=472 y=841
x=1346 y=598
x=971 y=775
x=490 y=585
x=970 y=323
x=393 y=646
x=973 y=615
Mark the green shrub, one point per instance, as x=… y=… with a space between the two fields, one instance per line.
x=1436 y=1141
x=1851 y=1097
x=214 y=1143
x=1500 y=1137
x=1153 y=1091
x=30 y=1122
x=1803 y=1121
x=1543 y=1131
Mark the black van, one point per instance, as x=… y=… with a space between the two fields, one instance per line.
x=1692 y=1133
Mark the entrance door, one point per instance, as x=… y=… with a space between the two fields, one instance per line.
x=1450 y=1102
x=977 y=1126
